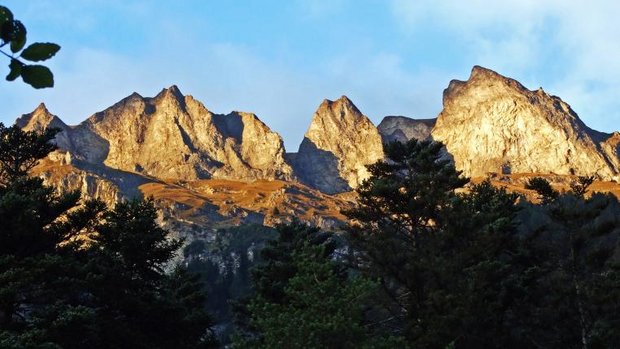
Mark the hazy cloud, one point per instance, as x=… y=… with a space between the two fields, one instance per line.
x=570 y=48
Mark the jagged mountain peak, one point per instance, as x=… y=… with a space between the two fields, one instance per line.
x=339 y=114
x=170 y=97
x=39 y=119
x=134 y=95
x=491 y=123
x=172 y=90
x=338 y=145
x=480 y=72
x=482 y=76
x=173 y=136
x=41 y=108
x=342 y=104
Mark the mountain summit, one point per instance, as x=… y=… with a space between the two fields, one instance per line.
x=491 y=123
x=338 y=145
x=175 y=136
x=205 y=168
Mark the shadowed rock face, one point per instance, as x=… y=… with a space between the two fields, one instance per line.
x=402 y=129
x=491 y=122
x=338 y=145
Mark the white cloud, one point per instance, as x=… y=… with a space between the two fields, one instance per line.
x=523 y=39
x=224 y=77
x=570 y=47
x=380 y=85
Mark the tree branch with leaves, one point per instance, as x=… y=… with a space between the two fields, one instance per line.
x=13 y=34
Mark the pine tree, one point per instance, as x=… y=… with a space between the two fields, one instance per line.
x=546 y=194
x=578 y=300
x=449 y=262
x=78 y=276
x=140 y=305
x=306 y=299
x=39 y=278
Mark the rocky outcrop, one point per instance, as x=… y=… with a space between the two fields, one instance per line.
x=41 y=119
x=402 y=129
x=338 y=145
x=211 y=169
x=170 y=136
x=491 y=123
x=175 y=136
x=611 y=149
x=65 y=177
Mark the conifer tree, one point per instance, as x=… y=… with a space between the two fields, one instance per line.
x=306 y=298
x=39 y=278
x=448 y=261
x=58 y=292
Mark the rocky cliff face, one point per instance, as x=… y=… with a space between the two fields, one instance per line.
x=611 y=149
x=402 y=129
x=62 y=175
x=40 y=119
x=338 y=145
x=491 y=123
x=175 y=136
x=172 y=147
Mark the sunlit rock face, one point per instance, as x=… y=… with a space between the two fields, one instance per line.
x=175 y=136
x=66 y=178
x=611 y=148
x=402 y=129
x=41 y=119
x=338 y=145
x=491 y=123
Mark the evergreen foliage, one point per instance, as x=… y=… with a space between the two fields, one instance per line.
x=577 y=299
x=451 y=263
x=75 y=275
x=482 y=268
x=305 y=298
x=546 y=194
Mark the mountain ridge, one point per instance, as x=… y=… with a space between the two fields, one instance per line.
x=491 y=123
x=171 y=144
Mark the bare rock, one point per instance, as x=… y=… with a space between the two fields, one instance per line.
x=41 y=119
x=402 y=129
x=491 y=123
x=175 y=136
x=338 y=145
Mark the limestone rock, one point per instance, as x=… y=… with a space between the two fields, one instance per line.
x=338 y=145
x=611 y=148
x=41 y=119
x=491 y=123
x=402 y=129
x=175 y=136
x=65 y=177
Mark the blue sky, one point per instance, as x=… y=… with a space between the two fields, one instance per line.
x=280 y=59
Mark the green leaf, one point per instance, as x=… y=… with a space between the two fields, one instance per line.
x=20 y=37
x=5 y=15
x=37 y=76
x=16 y=70
x=13 y=30
x=40 y=51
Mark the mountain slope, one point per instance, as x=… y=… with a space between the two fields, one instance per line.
x=402 y=128
x=338 y=145
x=41 y=119
x=491 y=123
x=174 y=136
